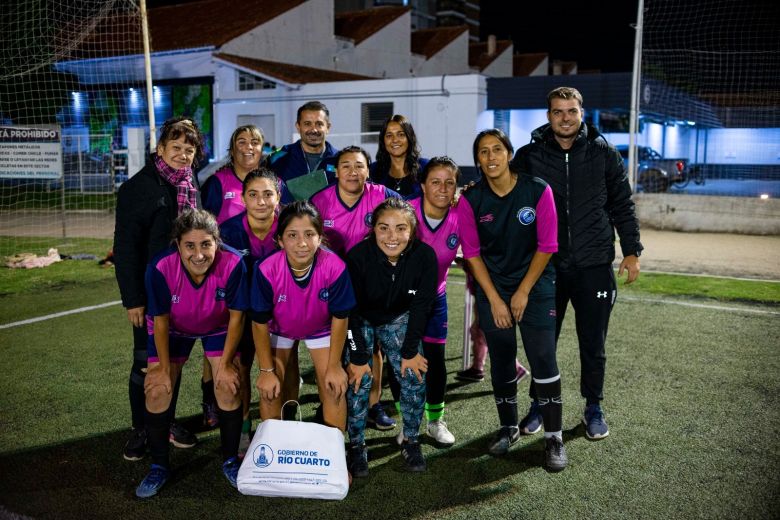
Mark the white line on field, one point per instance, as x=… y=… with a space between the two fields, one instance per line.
x=58 y=315
x=641 y=299
x=698 y=305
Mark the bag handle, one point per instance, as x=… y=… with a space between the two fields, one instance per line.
x=288 y=402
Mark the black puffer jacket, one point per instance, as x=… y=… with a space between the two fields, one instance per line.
x=592 y=196
x=145 y=210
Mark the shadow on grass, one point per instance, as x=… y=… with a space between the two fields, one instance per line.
x=89 y=478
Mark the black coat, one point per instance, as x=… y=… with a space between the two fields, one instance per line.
x=145 y=210
x=592 y=196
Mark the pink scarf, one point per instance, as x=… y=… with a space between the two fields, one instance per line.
x=186 y=194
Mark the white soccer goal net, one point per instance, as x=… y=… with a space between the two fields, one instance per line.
x=64 y=120
x=710 y=93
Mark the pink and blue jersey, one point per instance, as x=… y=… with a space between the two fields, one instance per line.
x=444 y=239
x=222 y=194
x=236 y=233
x=196 y=310
x=345 y=226
x=301 y=310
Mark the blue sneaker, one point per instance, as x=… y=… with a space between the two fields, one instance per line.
x=532 y=422
x=595 y=426
x=152 y=483
x=230 y=470
x=379 y=419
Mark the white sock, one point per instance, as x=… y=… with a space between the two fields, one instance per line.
x=559 y=434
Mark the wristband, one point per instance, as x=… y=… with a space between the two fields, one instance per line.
x=272 y=369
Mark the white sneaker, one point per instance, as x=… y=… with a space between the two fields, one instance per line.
x=243 y=444
x=438 y=431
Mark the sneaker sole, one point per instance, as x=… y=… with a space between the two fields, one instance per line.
x=181 y=445
x=378 y=427
x=469 y=379
x=132 y=458
x=597 y=437
x=437 y=442
x=556 y=468
x=526 y=431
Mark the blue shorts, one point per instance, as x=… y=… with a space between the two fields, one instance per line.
x=436 y=329
x=179 y=347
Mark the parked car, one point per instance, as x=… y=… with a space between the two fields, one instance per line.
x=655 y=173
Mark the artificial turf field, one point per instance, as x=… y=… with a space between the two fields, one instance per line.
x=692 y=405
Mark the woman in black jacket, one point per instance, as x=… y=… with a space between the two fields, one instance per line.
x=147 y=205
x=394 y=276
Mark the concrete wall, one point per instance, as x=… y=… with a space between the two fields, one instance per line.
x=444 y=111
x=301 y=36
x=502 y=66
x=700 y=213
x=452 y=59
x=386 y=53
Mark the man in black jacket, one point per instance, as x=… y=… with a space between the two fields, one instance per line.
x=593 y=198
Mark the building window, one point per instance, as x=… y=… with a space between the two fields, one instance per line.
x=372 y=117
x=250 y=82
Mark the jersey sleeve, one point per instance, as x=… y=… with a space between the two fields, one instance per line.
x=158 y=294
x=546 y=223
x=341 y=298
x=420 y=307
x=261 y=297
x=467 y=225
x=211 y=195
x=237 y=290
x=392 y=193
x=285 y=197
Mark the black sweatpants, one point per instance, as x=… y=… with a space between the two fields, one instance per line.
x=592 y=293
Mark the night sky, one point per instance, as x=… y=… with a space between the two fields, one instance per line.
x=596 y=34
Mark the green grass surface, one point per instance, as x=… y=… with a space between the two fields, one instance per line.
x=692 y=404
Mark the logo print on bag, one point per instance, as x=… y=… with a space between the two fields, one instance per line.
x=526 y=215
x=263 y=456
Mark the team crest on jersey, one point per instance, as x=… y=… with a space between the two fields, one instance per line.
x=220 y=294
x=329 y=223
x=282 y=298
x=452 y=241
x=367 y=220
x=323 y=295
x=175 y=298
x=526 y=215
x=230 y=195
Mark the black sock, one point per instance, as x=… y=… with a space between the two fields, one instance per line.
x=174 y=398
x=551 y=405
x=230 y=431
x=137 y=394
x=207 y=388
x=157 y=428
x=506 y=403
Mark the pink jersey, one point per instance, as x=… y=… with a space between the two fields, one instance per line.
x=196 y=310
x=444 y=240
x=300 y=312
x=231 y=189
x=345 y=226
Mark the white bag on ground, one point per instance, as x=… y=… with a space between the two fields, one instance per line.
x=295 y=459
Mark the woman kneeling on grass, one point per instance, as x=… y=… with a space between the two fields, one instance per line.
x=395 y=285
x=301 y=293
x=196 y=290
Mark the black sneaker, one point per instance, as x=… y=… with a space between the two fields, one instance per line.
x=135 y=447
x=555 y=454
x=357 y=460
x=413 y=457
x=378 y=418
x=471 y=374
x=505 y=437
x=181 y=437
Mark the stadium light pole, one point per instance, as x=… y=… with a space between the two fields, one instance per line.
x=148 y=73
x=633 y=122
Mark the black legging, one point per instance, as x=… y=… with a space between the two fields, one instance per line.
x=435 y=378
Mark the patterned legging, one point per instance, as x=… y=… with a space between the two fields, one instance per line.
x=391 y=337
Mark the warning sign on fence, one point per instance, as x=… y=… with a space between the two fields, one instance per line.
x=30 y=153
